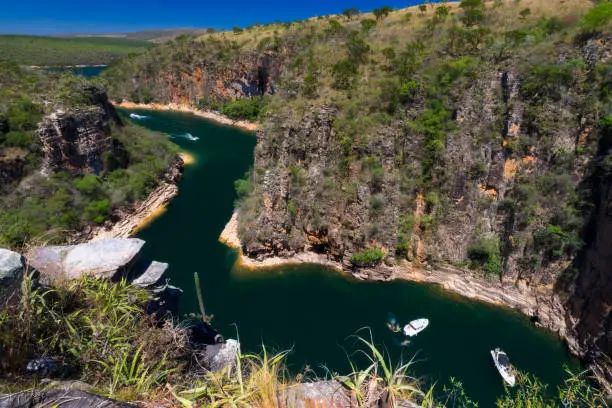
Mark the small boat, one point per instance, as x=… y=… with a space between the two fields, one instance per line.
x=135 y=116
x=415 y=327
x=502 y=363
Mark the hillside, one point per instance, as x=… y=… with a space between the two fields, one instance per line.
x=470 y=137
x=49 y=51
x=67 y=160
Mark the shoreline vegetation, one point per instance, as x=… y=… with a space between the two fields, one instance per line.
x=133 y=218
x=210 y=115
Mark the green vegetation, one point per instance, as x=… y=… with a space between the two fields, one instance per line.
x=52 y=207
x=485 y=253
x=97 y=332
x=451 y=101
x=49 y=51
x=368 y=257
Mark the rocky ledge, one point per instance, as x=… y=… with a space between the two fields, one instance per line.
x=125 y=221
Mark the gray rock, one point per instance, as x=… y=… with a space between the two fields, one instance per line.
x=154 y=273
x=319 y=393
x=222 y=356
x=11 y=266
x=59 y=398
x=102 y=259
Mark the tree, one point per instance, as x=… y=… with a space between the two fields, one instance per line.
x=423 y=8
x=442 y=12
x=524 y=13
x=350 y=13
x=237 y=30
x=473 y=12
x=368 y=25
x=344 y=73
x=382 y=12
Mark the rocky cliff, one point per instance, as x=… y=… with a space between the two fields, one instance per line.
x=438 y=140
x=196 y=74
x=77 y=139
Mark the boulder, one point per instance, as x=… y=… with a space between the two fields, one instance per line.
x=59 y=398
x=154 y=273
x=218 y=357
x=329 y=394
x=11 y=266
x=101 y=259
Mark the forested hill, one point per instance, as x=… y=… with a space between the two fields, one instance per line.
x=471 y=136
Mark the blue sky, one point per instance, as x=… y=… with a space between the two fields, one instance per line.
x=103 y=16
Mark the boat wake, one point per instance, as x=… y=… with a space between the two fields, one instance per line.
x=187 y=136
x=137 y=117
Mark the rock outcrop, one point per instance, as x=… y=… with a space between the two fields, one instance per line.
x=204 y=78
x=11 y=266
x=76 y=140
x=59 y=398
x=101 y=259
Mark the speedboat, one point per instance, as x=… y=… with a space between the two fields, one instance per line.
x=502 y=363
x=135 y=116
x=415 y=327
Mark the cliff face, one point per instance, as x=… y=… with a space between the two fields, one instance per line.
x=197 y=76
x=76 y=140
x=446 y=142
x=590 y=303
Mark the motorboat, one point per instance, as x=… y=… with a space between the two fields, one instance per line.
x=415 y=327
x=502 y=363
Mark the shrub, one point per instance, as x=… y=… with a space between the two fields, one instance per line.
x=344 y=73
x=18 y=138
x=485 y=253
x=245 y=108
x=369 y=257
x=367 y=25
x=597 y=17
x=97 y=211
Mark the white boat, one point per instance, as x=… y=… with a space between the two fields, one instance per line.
x=502 y=363
x=415 y=327
x=135 y=116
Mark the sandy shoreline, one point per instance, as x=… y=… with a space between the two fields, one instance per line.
x=210 y=115
x=540 y=303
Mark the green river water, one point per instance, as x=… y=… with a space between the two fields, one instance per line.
x=314 y=311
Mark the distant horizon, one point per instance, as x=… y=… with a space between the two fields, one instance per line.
x=68 y=17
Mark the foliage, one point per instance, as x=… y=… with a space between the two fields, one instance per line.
x=485 y=253
x=96 y=327
x=350 y=13
x=245 y=108
x=382 y=12
x=598 y=17
x=531 y=392
x=344 y=73
x=368 y=257
x=49 y=51
x=367 y=25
